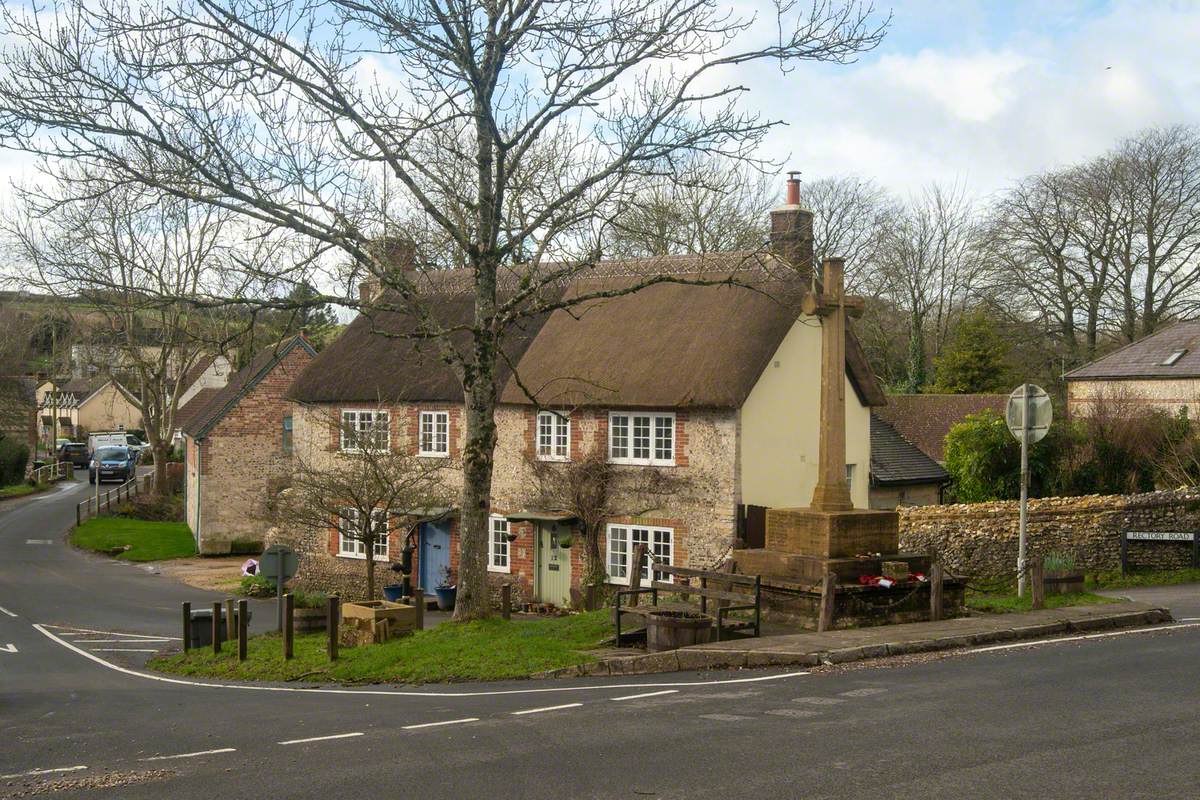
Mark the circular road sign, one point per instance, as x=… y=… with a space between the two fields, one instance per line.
x=1040 y=411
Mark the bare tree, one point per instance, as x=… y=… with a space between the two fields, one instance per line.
x=510 y=133
x=131 y=259
x=850 y=215
x=363 y=491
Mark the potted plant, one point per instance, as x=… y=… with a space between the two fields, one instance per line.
x=1061 y=575
x=446 y=590
x=394 y=591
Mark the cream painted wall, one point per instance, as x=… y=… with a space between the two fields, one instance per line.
x=109 y=409
x=215 y=377
x=780 y=423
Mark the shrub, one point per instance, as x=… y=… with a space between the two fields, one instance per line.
x=153 y=507
x=310 y=599
x=984 y=459
x=13 y=457
x=1059 y=562
x=257 y=586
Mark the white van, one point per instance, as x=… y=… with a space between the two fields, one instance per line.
x=115 y=439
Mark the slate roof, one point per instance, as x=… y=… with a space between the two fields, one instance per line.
x=667 y=345
x=896 y=461
x=188 y=412
x=925 y=419
x=193 y=374
x=1145 y=358
x=240 y=383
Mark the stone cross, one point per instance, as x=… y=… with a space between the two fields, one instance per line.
x=832 y=306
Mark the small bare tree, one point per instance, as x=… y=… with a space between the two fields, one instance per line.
x=594 y=490
x=364 y=489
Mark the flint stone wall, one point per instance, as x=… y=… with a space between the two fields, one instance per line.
x=980 y=539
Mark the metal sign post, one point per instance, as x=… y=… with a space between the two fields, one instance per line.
x=278 y=563
x=1028 y=415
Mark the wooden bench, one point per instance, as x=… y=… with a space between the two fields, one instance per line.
x=728 y=601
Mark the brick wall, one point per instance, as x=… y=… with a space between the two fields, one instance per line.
x=703 y=517
x=981 y=538
x=242 y=460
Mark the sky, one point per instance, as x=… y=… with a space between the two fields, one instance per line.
x=974 y=93
x=983 y=93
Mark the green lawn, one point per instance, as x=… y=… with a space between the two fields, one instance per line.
x=151 y=541
x=1009 y=603
x=484 y=650
x=20 y=490
x=1114 y=579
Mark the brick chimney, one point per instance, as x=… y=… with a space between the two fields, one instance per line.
x=792 y=230
x=396 y=252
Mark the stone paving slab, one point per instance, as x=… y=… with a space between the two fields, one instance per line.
x=841 y=646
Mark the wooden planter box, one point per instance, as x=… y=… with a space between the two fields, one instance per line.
x=1063 y=582
x=309 y=620
x=670 y=630
x=377 y=620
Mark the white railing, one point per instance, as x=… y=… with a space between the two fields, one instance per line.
x=52 y=472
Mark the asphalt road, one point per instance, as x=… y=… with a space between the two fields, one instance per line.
x=1110 y=716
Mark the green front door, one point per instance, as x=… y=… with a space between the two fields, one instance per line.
x=553 y=568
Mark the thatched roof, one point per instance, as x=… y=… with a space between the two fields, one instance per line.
x=668 y=345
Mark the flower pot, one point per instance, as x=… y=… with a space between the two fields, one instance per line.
x=670 y=630
x=309 y=620
x=445 y=597
x=393 y=593
x=1065 y=582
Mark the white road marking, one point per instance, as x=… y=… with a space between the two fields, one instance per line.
x=39 y=541
x=146 y=640
x=793 y=712
x=6 y=611
x=8 y=648
x=1185 y=619
x=723 y=717
x=84 y=631
x=1038 y=642
x=42 y=772
x=444 y=722
x=121 y=650
x=191 y=755
x=645 y=694
x=323 y=738
x=42 y=629
x=545 y=708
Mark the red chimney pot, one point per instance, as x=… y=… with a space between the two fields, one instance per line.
x=793 y=189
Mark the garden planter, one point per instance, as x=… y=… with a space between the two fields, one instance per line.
x=309 y=620
x=1063 y=582
x=446 y=596
x=376 y=620
x=393 y=593
x=670 y=630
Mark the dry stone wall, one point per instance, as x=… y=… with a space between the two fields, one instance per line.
x=980 y=539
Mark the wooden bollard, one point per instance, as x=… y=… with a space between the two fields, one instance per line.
x=419 y=608
x=506 y=601
x=331 y=621
x=243 y=615
x=635 y=573
x=216 y=627
x=187 y=627
x=828 y=591
x=289 y=625
x=230 y=621
x=1037 y=583
x=936 y=580
x=78 y=516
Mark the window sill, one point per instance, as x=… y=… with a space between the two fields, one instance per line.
x=629 y=462
x=424 y=454
x=356 y=557
x=500 y=570
x=558 y=459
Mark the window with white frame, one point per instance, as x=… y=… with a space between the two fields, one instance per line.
x=435 y=434
x=365 y=430
x=350 y=543
x=553 y=436
x=641 y=439
x=621 y=541
x=498 y=549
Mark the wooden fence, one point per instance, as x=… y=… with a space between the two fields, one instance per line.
x=138 y=484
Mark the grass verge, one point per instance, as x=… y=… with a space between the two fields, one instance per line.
x=489 y=649
x=1133 y=580
x=21 y=489
x=1010 y=603
x=148 y=541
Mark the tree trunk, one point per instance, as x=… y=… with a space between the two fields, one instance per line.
x=369 y=547
x=473 y=600
x=161 y=452
x=594 y=559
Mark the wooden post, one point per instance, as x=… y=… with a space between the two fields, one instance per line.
x=187 y=627
x=1037 y=583
x=506 y=601
x=289 y=603
x=419 y=606
x=828 y=590
x=216 y=627
x=243 y=620
x=230 y=621
x=635 y=572
x=935 y=591
x=703 y=598
x=78 y=516
x=331 y=621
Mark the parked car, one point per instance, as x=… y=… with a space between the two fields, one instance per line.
x=76 y=453
x=113 y=464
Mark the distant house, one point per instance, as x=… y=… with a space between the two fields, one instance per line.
x=82 y=405
x=925 y=419
x=901 y=473
x=1161 y=371
x=209 y=372
x=236 y=444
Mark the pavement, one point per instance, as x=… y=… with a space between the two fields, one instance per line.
x=1105 y=714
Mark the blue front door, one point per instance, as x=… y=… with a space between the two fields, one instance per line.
x=435 y=553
